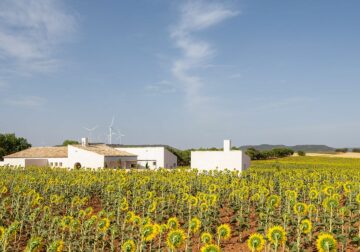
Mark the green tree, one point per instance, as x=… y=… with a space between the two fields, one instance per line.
x=69 y=142
x=301 y=153
x=9 y=144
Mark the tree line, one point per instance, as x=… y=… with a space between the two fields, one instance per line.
x=9 y=144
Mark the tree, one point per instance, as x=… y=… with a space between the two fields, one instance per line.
x=9 y=144
x=301 y=153
x=356 y=150
x=343 y=150
x=69 y=142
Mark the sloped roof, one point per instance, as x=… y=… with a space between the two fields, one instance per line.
x=41 y=152
x=105 y=150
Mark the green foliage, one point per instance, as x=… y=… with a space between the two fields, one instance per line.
x=343 y=150
x=9 y=144
x=356 y=150
x=301 y=153
x=255 y=154
x=69 y=142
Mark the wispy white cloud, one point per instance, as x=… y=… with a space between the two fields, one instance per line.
x=195 y=16
x=25 y=101
x=30 y=33
x=162 y=87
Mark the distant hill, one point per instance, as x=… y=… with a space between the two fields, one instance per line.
x=306 y=148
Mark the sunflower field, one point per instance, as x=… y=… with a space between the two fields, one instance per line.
x=290 y=204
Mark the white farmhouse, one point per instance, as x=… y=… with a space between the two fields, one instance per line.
x=151 y=156
x=220 y=160
x=86 y=155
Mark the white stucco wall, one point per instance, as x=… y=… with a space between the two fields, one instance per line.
x=160 y=155
x=221 y=160
x=14 y=162
x=87 y=159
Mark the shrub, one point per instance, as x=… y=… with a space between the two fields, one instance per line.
x=343 y=150
x=356 y=150
x=77 y=166
x=301 y=153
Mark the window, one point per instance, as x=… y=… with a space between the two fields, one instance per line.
x=174 y=164
x=56 y=164
x=154 y=163
x=60 y=164
x=51 y=163
x=133 y=165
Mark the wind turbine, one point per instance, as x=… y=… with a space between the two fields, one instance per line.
x=90 y=131
x=111 y=130
x=120 y=135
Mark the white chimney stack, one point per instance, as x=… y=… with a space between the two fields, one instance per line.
x=227 y=145
x=84 y=141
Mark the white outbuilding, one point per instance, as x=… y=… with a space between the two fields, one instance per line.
x=151 y=156
x=220 y=160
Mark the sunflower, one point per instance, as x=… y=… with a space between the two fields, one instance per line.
x=276 y=235
x=4 y=190
x=329 y=190
x=206 y=238
x=348 y=187
x=204 y=207
x=273 y=201
x=193 y=201
x=256 y=242
x=104 y=225
x=173 y=223
x=35 y=244
x=313 y=194
x=152 y=207
x=305 y=226
x=128 y=246
x=195 y=224
x=2 y=232
x=300 y=209
x=357 y=198
x=56 y=246
x=224 y=231
x=66 y=222
x=175 y=238
x=124 y=206
x=330 y=203
x=129 y=216
x=210 y=248
x=149 y=232
x=136 y=220
x=326 y=243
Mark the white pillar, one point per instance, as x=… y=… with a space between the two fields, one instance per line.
x=227 y=145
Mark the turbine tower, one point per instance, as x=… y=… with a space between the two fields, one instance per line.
x=111 y=130
x=90 y=130
x=120 y=135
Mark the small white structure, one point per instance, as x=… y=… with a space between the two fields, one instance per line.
x=151 y=157
x=221 y=160
x=86 y=155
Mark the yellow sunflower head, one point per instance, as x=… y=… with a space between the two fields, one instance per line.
x=300 y=209
x=173 y=223
x=210 y=248
x=104 y=225
x=313 y=194
x=305 y=226
x=326 y=243
x=256 y=242
x=149 y=232
x=276 y=235
x=2 y=232
x=195 y=224
x=128 y=246
x=175 y=238
x=330 y=203
x=273 y=201
x=56 y=246
x=206 y=238
x=224 y=231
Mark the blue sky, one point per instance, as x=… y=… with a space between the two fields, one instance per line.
x=184 y=73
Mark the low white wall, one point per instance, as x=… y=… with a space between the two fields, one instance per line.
x=160 y=155
x=87 y=159
x=14 y=162
x=211 y=160
x=112 y=162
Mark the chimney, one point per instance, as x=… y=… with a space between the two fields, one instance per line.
x=84 y=141
x=227 y=145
